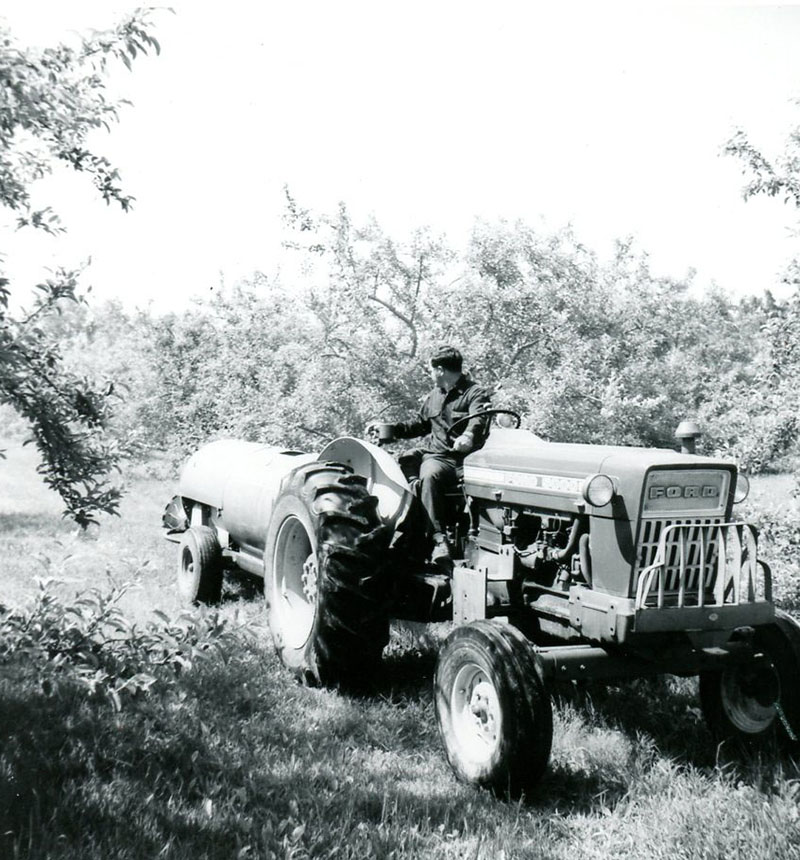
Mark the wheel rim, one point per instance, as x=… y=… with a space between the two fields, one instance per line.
x=476 y=714
x=746 y=713
x=295 y=582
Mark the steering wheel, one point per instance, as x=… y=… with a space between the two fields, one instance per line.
x=452 y=434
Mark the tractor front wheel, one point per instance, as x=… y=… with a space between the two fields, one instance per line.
x=199 y=566
x=495 y=717
x=326 y=591
x=750 y=703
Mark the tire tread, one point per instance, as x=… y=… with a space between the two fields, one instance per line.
x=352 y=624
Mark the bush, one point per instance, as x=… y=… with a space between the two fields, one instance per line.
x=90 y=644
x=779 y=545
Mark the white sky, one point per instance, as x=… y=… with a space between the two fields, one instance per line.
x=611 y=117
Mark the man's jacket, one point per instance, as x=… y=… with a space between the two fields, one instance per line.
x=439 y=412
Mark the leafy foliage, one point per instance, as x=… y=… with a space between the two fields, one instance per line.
x=50 y=102
x=53 y=99
x=586 y=351
x=779 y=542
x=90 y=642
x=775 y=397
x=777 y=176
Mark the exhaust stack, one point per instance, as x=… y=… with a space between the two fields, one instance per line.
x=687 y=434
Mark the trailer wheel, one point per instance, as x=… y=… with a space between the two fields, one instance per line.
x=755 y=702
x=326 y=595
x=199 y=566
x=495 y=717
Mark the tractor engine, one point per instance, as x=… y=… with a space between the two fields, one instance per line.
x=544 y=545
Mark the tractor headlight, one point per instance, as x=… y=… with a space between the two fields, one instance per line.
x=742 y=489
x=598 y=490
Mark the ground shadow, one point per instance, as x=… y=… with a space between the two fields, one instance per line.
x=649 y=706
x=20 y=521
x=239 y=585
x=405 y=676
x=671 y=716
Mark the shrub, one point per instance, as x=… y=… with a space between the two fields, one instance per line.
x=780 y=545
x=91 y=644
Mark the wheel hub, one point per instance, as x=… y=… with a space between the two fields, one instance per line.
x=480 y=706
x=476 y=713
x=760 y=681
x=749 y=694
x=309 y=578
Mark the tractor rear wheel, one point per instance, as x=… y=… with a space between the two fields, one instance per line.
x=495 y=717
x=324 y=583
x=199 y=566
x=752 y=703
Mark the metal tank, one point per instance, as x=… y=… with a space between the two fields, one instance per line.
x=234 y=484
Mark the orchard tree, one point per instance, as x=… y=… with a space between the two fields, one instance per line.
x=775 y=395
x=586 y=351
x=51 y=100
x=378 y=302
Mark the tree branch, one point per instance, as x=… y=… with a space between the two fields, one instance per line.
x=403 y=318
x=520 y=350
x=314 y=432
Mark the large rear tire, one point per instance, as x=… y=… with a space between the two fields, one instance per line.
x=199 y=566
x=737 y=702
x=495 y=717
x=326 y=592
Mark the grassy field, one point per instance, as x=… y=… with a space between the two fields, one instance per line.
x=230 y=758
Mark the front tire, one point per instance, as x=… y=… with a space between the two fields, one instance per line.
x=754 y=703
x=495 y=717
x=199 y=566
x=324 y=583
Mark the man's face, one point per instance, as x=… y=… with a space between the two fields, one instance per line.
x=437 y=375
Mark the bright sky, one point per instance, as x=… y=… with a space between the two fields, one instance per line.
x=611 y=117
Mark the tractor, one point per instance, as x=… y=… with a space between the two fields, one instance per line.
x=572 y=562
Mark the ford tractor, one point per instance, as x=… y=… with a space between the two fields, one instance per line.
x=571 y=562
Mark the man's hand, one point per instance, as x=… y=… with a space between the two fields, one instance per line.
x=463 y=444
x=380 y=432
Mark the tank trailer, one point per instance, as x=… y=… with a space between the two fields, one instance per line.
x=572 y=562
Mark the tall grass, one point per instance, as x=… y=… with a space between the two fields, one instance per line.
x=223 y=755
x=232 y=759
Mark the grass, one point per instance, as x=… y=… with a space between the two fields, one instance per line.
x=232 y=759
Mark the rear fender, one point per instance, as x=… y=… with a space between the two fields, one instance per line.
x=385 y=479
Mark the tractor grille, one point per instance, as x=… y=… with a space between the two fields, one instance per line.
x=696 y=562
x=700 y=552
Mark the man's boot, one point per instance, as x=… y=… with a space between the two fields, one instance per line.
x=441 y=552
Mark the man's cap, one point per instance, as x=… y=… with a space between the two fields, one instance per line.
x=447 y=357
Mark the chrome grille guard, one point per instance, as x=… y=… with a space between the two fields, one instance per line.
x=730 y=568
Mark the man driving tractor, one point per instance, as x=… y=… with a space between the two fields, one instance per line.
x=432 y=467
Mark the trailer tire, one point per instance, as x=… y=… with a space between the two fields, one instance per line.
x=327 y=595
x=729 y=698
x=494 y=713
x=199 y=566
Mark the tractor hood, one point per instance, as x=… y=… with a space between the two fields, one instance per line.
x=524 y=468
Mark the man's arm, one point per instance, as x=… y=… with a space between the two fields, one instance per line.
x=474 y=434
x=420 y=426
